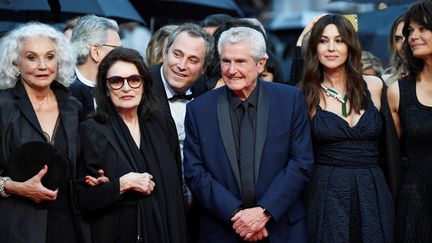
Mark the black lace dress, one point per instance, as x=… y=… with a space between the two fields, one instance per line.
x=414 y=207
x=347 y=199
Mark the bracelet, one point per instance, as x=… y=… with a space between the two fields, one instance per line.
x=3 y=181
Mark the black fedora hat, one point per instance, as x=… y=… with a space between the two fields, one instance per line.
x=30 y=158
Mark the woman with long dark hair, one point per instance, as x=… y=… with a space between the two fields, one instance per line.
x=347 y=199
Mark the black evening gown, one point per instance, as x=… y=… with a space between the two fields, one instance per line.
x=414 y=207
x=347 y=199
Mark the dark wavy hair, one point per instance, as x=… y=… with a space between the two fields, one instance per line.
x=313 y=73
x=421 y=13
x=104 y=104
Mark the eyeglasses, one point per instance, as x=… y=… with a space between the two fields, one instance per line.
x=113 y=46
x=117 y=82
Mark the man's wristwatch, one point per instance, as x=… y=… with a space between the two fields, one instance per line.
x=3 y=181
x=266 y=212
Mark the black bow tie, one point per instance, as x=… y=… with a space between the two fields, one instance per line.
x=181 y=97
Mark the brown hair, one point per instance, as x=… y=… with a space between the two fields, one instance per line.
x=421 y=13
x=313 y=71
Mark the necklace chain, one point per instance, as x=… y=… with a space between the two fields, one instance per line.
x=335 y=94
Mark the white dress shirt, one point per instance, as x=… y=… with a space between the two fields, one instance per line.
x=178 y=113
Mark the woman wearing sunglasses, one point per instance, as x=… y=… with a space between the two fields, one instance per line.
x=135 y=146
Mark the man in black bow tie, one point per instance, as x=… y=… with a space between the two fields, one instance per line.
x=177 y=81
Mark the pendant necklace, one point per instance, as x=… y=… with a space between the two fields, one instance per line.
x=335 y=94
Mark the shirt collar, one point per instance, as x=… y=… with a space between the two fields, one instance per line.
x=83 y=79
x=235 y=101
x=168 y=90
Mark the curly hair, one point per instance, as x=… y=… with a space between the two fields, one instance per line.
x=11 y=45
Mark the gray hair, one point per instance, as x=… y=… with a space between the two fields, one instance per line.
x=90 y=29
x=256 y=22
x=194 y=31
x=244 y=34
x=11 y=46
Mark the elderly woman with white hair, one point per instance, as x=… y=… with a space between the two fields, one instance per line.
x=35 y=106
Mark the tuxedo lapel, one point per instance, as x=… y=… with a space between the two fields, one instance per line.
x=261 y=126
x=226 y=131
x=158 y=88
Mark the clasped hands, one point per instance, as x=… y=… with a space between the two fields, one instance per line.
x=250 y=223
x=140 y=182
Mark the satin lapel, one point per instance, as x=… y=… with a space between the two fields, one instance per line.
x=261 y=126
x=159 y=88
x=226 y=131
x=26 y=108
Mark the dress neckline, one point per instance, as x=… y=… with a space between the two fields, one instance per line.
x=414 y=90
x=343 y=120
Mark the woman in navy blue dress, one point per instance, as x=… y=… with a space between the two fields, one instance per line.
x=347 y=199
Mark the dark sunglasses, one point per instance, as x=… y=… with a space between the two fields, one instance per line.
x=117 y=82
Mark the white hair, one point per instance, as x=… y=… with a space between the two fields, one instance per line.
x=11 y=45
x=244 y=34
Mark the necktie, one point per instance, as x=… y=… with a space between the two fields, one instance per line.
x=181 y=97
x=246 y=152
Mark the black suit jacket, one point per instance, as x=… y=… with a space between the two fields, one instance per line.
x=18 y=125
x=85 y=95
x=158 y=90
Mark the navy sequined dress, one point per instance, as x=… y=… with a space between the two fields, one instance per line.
x=347 y=199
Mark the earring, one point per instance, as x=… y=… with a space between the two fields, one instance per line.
x=18 y=74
